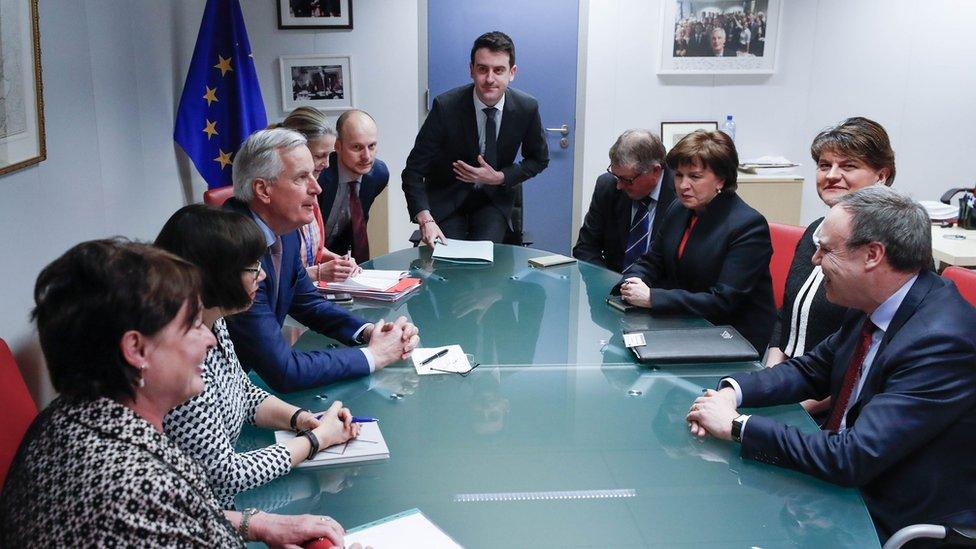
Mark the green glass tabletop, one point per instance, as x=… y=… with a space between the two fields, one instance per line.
x=558 y=439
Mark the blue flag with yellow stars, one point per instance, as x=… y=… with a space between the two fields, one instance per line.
x=221 y=103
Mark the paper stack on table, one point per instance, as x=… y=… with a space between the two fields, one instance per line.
x=369 y=445
x=768 y=165
x=374 y=284
x=465 y=251
x=407 y=529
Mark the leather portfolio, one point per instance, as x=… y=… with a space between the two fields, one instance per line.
x=693 y=345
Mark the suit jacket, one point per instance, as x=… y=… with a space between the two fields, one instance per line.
x=370 y=186
x=603 y=236
x=450 y=133
x=723 y=274
x=257 y=336
x=911 y=433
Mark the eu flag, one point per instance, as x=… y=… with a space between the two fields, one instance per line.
x=221 y=103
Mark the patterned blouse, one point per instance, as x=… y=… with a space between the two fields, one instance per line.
x=208 y=425
x=93 y=473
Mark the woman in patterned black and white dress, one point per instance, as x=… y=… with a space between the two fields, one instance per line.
x=121 y=330
x=851 y=155
x=227 y=247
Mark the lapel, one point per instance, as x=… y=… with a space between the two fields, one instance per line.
x=622 y=210
x=506 y=132
x=469 y=125
x=665 y=198
x=270 y=280
x=675 y=230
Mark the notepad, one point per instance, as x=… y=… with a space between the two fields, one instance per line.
x=369 y=445
x=454 y=362
x=551 y=260
x=465 y=251
x=407 y=529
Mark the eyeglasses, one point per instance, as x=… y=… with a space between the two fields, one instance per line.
x=624 y=180
x=255 y=270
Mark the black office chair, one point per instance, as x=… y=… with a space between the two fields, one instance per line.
x=515 y=235
x=949 y=535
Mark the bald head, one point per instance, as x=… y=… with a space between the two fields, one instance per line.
x=357 y=142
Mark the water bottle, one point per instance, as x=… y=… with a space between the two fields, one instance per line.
x=729 y=127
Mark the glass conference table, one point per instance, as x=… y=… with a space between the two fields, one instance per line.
x=558 y=439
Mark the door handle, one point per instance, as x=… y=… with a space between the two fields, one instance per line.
x=564 y=130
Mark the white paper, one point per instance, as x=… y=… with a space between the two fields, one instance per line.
x=635 y=339
x=409 y=530
x=466 y=251
x=369 y=279
x=454 y=362
x=369 y=445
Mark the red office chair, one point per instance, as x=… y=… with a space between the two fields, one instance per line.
x=217 y=197
x=19 y=409
x=785 y=239
x=965 y=280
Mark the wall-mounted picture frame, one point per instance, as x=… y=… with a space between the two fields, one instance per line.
x=320 y=81
x=315 y=14
x=672 y=132
x=21 y=90
x=719 y=36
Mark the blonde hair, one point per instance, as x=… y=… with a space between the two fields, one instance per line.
x=308 y=121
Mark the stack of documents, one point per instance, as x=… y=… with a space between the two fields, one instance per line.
x=940 y=212
x=369 y=445
x=374 y=284
x=465 y=251
x=767 y=164
x=407 y=529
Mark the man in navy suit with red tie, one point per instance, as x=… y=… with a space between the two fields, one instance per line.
x=901 y=373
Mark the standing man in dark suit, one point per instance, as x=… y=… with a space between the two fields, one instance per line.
x=628 y=203
x=354 y=178
x=901 y=372
x=461 y=176
x=273 y=185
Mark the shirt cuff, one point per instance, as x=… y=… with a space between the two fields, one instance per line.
x=729 y=382
x=369 y=359
x=356 y=336
x=742 y=433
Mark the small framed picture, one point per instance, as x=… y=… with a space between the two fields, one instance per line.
x=320 y=81
x=719 y=36
x=315 y=14
x=21 y=88
x=672 y=132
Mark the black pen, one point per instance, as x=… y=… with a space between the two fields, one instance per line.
x=433 y=357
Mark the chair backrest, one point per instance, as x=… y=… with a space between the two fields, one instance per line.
x=217 y=197
x=785 y=238
x=19 y=409
x=965 y=280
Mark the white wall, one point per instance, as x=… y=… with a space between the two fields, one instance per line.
x=907 y=64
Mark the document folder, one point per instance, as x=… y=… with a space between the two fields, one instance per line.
x=694 y=345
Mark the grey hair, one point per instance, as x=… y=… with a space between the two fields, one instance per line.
x=638 y=149
x=901 y=225
x=259 y=157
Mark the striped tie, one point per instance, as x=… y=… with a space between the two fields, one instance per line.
x=637 y=239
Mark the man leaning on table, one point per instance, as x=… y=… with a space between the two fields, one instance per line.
x=901 y=372
x=628 y=203
x=273 y=184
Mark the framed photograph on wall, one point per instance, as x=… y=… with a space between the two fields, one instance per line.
x=672 y=132
x=320 y=81
x=719 y=36
x=314 y=14
x=21 y=89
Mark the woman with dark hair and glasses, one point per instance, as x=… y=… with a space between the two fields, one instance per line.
x=226 y=246
x=711 y=255
x=123 y=335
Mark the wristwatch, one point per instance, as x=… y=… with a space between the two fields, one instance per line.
x=737 y=425
x=246 y=515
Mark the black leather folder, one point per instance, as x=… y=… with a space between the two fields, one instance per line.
x=694 y=345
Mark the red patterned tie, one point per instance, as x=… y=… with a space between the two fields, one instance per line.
x=851 y=376
x=360 y=241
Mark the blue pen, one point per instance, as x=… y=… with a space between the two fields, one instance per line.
x=355 y=419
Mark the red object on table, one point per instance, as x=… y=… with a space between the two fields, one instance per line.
x=320 y=543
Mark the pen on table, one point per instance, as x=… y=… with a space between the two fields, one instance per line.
x=355 y=419
x=433 y=357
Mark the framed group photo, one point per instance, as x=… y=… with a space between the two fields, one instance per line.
x=21 y=89
x=672 y=132
x=719 y=36
x=320 y=81
x=314 y=14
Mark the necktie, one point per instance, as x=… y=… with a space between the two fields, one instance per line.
x=491 y=136
x=276 y=261
x=684 y=237
x=360 y=241
x=851 y=376
x=637 y=238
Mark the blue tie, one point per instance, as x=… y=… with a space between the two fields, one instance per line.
x=637 y=239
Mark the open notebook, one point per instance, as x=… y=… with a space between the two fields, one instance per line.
x=369 y=445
